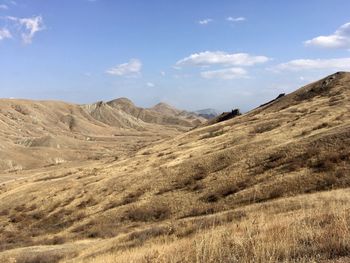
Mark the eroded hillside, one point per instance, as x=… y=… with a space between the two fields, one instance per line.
x=35 y=134
x=267 y=186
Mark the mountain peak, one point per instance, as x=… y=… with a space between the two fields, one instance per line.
x=165 y=109
x=162 y=105
x=121 y=102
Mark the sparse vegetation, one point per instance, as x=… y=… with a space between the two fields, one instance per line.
x=265 y=127
x=212 y=134
x=280 y=236
x=271 y=186
x=147 y=213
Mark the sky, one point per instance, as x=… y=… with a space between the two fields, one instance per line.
x=195 y=54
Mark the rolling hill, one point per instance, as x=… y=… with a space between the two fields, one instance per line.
x=271 y=185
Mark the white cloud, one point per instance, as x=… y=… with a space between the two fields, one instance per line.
x=228 y=73
x=4 y=7
x=31 y=27
x=236 y=19
x=208 y=58
x=4 y=33
x=150 y=84
x=205 y=21
x=314 y=64
x=162 y=73
x=130 y=68
x=339 y=39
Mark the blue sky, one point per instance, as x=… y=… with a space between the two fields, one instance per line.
x=191 y=54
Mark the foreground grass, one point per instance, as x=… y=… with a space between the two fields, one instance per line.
x=309 y=228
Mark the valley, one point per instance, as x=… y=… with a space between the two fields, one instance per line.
x=113 y=182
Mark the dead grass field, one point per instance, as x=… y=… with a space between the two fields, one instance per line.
x=267 y=186
x=311 y=228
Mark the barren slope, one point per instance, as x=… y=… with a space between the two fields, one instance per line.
x=35 y=134
x=267 y=172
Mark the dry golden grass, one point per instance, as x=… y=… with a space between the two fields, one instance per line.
x=256 y=188
x=311 y=228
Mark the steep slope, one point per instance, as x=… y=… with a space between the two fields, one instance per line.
x=112 y=116
x=262 y=178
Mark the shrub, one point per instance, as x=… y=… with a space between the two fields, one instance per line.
x=87 y=203
x=211 y=198
x=38 y=215
x=327 y=162
x=305 y=132
x=321 y=126
x=196 y=186
x=228 y=190
x=148 y=213
x=132 y=197
x=224 y=191
x=199 y=176
x=16 y=218
x=212 y=134
x=265 y=127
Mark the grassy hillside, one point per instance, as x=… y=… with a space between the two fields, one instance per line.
x=267 y=186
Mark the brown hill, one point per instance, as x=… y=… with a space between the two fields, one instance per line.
x=40 y=133
x=160 y=114
x=271 y=185
x=166 y=109
x=113 y=116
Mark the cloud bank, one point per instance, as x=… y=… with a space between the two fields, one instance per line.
x=339 y=39
x=209 y=58
x=314 y=64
